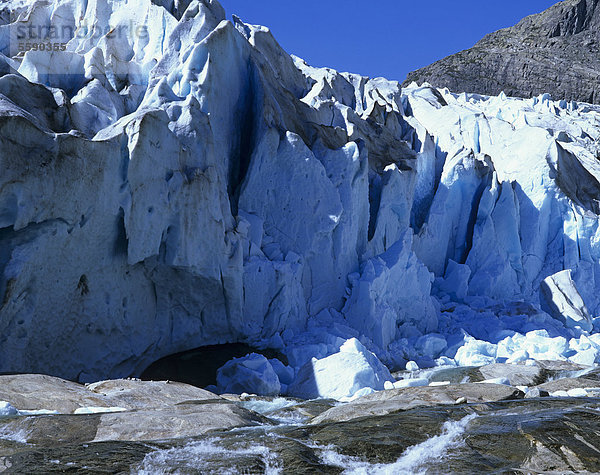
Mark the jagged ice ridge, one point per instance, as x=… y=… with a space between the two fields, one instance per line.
x=197 y=185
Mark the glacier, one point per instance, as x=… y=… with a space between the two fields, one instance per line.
x=187 y=183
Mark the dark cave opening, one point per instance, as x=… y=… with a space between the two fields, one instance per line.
x=199 y=366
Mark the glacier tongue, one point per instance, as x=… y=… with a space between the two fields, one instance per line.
x=185 y=182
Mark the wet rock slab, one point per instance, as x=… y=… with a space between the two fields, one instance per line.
x=36 y=391
x=533 y=436
x=539 y=436
x=386 y=402
x=517 y=374
x=136 y=394
x=104 y=457
x=183 y=420
x=568 y=384
x=147 y=410
x=506 y=436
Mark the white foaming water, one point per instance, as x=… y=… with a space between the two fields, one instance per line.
x=268 y=407
x=265 y=406
x=203 y=455
x=415 y=459
x=20 y=435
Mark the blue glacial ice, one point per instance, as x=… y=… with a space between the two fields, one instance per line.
x=197 y=185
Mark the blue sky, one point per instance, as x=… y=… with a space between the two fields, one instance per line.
x=380 y=37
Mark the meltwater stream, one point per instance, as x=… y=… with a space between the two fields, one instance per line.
x=415 y=459
x=201 y=455
x=253 y=451
x=531 y=435
x=539 y=435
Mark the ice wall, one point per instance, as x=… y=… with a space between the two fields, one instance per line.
x=197 y=185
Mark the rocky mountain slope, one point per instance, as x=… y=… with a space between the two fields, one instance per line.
x=172 y=179
x=556 y=52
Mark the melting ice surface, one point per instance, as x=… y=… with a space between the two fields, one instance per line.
x=415 y=460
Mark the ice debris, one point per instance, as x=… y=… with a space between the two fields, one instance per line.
x=6 y=409
x=252 y=374
x=341 y=375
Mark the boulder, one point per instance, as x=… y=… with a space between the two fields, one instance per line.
x=303 y=411
x=561 y=369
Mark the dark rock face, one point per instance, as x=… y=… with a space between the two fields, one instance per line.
x=556 y=51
